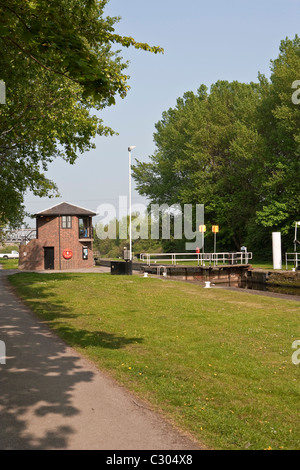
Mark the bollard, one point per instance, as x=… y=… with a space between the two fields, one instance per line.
x=276 y=246
x=2 y=352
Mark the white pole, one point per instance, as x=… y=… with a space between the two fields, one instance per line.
x=276 y=245
x=2 y=353
x=130 y=240
x=130 y=237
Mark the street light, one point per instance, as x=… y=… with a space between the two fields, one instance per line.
x=130 y=239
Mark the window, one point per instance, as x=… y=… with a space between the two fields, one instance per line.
x=66 y=221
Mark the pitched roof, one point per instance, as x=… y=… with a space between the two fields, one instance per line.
x=64 y=208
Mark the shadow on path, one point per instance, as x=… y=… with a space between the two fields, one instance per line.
x=36 y=380
x=52 y=398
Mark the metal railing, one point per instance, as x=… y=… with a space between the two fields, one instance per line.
x=86 y=232
x=19 y=235
x=201 y=259
x=292 y=258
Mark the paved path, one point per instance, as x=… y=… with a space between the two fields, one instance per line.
x=52 y=398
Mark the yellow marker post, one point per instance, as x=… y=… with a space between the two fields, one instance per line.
x=202 y=229
x=215 y=230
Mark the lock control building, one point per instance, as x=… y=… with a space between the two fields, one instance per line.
x=64 y=240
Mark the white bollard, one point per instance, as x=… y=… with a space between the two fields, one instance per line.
x=276 y=245
x=145 y=274
x=2 y=353
x=207 y=285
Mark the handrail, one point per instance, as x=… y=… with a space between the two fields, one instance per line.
x=294 y=259
x=239 y=257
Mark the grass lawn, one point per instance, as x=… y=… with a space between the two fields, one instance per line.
x=9 y=263
x=216 y=362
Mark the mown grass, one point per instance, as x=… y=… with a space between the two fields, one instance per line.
x=217 y=363
x=9 y=263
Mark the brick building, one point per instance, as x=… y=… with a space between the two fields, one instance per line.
x=64 y=240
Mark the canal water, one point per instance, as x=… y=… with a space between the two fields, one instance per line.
x=287 y=290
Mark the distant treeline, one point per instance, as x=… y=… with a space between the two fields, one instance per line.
x=235 y=149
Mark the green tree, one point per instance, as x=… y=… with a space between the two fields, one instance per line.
x=59 y=64
x=279 y=124
x=205 y=149
x=71 y=38
x=236 y=150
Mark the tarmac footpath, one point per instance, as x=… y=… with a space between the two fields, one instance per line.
x=51 y=398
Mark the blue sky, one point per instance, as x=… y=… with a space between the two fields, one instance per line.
x=204 y=41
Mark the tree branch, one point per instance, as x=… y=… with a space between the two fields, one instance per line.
x=16 y=14
x=39 y=62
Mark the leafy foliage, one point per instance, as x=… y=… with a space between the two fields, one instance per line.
x=58 y=64
x=234 y=149
x=279 y=125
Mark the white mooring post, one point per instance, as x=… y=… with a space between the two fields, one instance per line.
x=276 y=245
x=2 y=353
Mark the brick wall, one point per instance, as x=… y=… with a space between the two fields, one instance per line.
x=31 y=256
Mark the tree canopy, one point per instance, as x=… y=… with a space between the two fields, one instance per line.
x=235 y=149
x=59 y=63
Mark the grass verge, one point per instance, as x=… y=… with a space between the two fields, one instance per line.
x=9 y=263
x=218 y=363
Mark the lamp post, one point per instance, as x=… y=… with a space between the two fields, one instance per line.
x=130 y=238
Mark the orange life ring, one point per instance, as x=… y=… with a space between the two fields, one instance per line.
x=67 y=254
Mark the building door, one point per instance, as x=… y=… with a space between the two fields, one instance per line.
x=49 y=257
